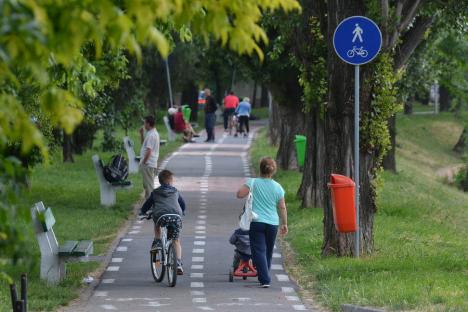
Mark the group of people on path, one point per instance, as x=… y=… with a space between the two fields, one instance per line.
x=268 y=196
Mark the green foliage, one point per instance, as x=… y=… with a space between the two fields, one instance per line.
x=384 y=104
x=461 y=179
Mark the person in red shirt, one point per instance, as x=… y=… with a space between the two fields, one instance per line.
x=231 y=101
x=181 y=126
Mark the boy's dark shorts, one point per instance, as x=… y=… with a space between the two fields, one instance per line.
x=173 y=224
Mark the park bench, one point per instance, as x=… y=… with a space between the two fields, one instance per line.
x=171 y=135
x=108 y=189
x=53 y=255
x=133 y=160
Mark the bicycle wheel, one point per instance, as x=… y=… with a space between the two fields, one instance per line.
x=171 y=266
x=158 y=269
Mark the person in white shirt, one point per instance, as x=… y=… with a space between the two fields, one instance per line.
x=149 y=154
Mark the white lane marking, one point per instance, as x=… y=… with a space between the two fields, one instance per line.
x=292 y=298
x=197 y=293
x=199 y=243
x=198 y=300
x=204 y=192
x=101 y=293
x=198 y=259
x=277 y=267
x=206 y=308
x=113 y=268
x=127 y=239
x=196 y=275
x=201 y=217
x=108 y=280
x=287 y=290
x=122 y=248
x=198 y=250
x=197 y=285
x=276 y=255
x=200 y=237
x=133 y=232
x=299 y=307
x=201 y=222
x=136 y=227
x=282 y=277
x=197 y=266
x=200 y=227
x=117 y=260
x=108 y=307
x=200 y=232
x=139 y=221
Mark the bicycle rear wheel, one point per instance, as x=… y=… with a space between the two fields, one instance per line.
x=158 y=268
x=171 y=266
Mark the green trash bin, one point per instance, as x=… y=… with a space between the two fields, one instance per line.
x=186 y=111
x=301 y=142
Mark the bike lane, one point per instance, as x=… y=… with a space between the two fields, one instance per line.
x=207 y=175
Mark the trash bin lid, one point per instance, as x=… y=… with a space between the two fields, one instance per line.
x=340 y=179
x=300 y=138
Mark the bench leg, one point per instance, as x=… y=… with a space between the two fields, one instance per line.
x=52 y=269
x=133 y=166
x=107 y=195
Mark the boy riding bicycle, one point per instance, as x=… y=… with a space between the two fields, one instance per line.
x=166 y=200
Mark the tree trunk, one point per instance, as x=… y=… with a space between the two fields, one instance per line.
x=460 y=147
x=67 y=148
x=254 y=95
x=444 y=99
x=389 y=162
x=264 y=96
x=274 y=123
x=408 y=106
x=292 y=123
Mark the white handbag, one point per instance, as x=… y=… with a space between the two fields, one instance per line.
x=248 y=215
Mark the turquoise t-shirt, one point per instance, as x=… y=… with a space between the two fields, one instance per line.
x=266 y=195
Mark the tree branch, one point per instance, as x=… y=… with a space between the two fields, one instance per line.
x=409 y=14
x=396 y=33
x=384 y=11
x=411 y=40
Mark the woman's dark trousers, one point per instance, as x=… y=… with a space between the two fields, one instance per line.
x=244 y=121
x=262 y=241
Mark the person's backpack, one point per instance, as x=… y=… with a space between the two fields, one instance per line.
x=116 y=170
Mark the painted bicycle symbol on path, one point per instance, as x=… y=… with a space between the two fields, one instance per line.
x=357 y=51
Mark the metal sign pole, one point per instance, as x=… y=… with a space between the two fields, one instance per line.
x=356 y=159
x=169 y=86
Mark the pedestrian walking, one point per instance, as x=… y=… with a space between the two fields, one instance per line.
x=231 y=101
x=149 y=153
x=210 y=117
x=270 y=208
x=243 y=111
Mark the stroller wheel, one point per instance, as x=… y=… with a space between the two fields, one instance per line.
x=231 y=276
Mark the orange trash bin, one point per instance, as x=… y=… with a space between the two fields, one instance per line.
x=344 y=209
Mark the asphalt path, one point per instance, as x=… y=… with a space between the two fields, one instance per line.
x=207 y=175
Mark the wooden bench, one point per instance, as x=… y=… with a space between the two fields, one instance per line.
x=133 y=160
x=171 y=135
x=53 y=255
x=108 y=189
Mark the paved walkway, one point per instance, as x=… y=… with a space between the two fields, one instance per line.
x=207 y=175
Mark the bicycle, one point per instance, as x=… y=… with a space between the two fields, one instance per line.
x=163 y=259
x=357 y=51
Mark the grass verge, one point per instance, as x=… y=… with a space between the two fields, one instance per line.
x=419 y=263
x=72 y=191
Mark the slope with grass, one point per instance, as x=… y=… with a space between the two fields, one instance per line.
x=72 y=191
x=419 y=263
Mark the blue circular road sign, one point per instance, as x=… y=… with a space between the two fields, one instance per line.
x=357 y=40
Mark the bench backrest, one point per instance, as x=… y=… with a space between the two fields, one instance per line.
x=43 y=222
x=170 y=133
x=99 y=167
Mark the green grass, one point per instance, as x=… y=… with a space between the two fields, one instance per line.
x=72 y=191
x=261 y=112
x=420 y=258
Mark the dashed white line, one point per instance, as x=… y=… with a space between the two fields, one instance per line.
x=197 y=266
x=108 y=307
x=113 y=268
x=277 y=267
x=133 y=232
x=108 y=281
x=299 y=307
x=197 y=285
x=201 y=217
x=292 y=298
x=196 y=275
x=198 y=300
x=122 y=248
x=198 y=259
x=200 y=237
x=117 y=260
x=206 y=308
x=197 y=293
x=276 y=255
x=287 y=290
x=198 y=251
x=101 y=293
x=200 y=227
x=201 y=222
x=282 y=277
x=127 y=239
x=200 y=232
x=199 y=243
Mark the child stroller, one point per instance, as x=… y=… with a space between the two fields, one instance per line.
x=242 y=265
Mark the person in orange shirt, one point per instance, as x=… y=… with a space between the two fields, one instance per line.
x=231 y=101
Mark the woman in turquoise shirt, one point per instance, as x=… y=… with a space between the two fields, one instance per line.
x=270 y=207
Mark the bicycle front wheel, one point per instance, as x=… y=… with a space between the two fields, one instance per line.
x=171 y=266
x=158 y=268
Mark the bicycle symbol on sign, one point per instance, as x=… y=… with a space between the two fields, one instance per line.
x=357 y=51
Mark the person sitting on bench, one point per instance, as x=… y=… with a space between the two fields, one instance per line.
x=181 y=126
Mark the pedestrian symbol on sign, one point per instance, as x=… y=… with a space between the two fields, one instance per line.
x=357 y=33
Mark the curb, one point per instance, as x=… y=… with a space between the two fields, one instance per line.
x=355 y=308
